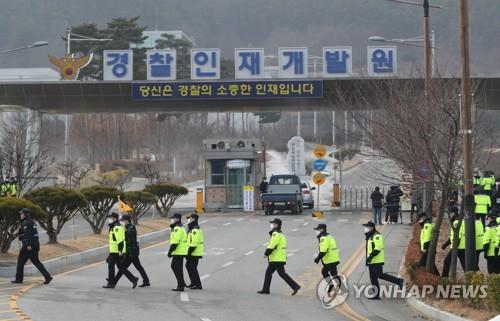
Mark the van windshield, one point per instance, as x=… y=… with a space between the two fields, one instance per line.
x=284 y=180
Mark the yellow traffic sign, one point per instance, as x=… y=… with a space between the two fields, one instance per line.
x=319 y=179
x=319 y=151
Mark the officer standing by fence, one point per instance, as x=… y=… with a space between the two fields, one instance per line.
x=132 y=256
x=328 y=255
x=276 y=255
x=195 y=251
x=426 y=229
x=117 y=251
x=28 y=235
x=178 y=249
x=375 y=259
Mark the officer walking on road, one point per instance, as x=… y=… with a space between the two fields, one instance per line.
x=28 y=236
x=375 y=259
x=490 y=243
x=328 y=255
x=426 y=228
x=276 y=255
x=132 y=256
x=117 y=251
x=195 y=251
x=178 y=249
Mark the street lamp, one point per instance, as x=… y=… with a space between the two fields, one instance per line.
x=416 y=42
x=33 y=45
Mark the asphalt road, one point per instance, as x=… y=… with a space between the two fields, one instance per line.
x=232 y=271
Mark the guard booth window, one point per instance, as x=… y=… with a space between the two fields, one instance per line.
x=217 y=170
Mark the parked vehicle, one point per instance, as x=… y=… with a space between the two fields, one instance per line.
x=284 y=193
x=307 y=195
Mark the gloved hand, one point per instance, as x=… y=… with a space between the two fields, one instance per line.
x=369 y=258
x=169 y=254
x=316 y=260
x=107 y=259
x=485 y=256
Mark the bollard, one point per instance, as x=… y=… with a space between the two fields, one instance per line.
x=199 y=201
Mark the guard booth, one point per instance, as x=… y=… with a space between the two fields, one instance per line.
x=233 y=172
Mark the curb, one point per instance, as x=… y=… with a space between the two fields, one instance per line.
x=431 y=312
x=85 y=257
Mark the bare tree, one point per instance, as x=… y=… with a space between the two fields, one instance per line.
x=73 y=172
x=20 y=153
x=414 y=131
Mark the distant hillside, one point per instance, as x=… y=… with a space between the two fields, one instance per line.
x=261 y=23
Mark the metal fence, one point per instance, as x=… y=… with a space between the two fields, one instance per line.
x=358 y=197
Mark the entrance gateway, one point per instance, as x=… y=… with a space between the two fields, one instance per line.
x=230 y=165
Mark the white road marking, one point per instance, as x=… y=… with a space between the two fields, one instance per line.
x=205 y=319
x=227 y=264
x=240 y=219
x=184 y=297
x=305 y=224
x=264 y=244
x=205 y=276
x=203 y=222
x=250 y=252
x=342 y=220
x=290 y=254
x=226 y=224
x=295 y=230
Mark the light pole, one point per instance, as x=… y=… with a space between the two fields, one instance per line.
x=69 y=38
x=470 y=254
x=33 y=45
x=415 y=42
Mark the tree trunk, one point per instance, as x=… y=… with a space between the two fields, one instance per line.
x=431 y=256
x=5 y=245
x=52 y=237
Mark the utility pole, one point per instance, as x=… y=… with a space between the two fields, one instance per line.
x=469 y=219
x=427 y=49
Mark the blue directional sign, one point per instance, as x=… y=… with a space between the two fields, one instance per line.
x=319 y=164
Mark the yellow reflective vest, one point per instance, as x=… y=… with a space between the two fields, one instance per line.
x=178 y=235
x=375 y=242
x=490 y=237
x=195 y=240
x=479 y=235
x=328 y=246
x=426 y=235
x=117 y=239
x=488 y=182
x=483 y=204
x=277 y=244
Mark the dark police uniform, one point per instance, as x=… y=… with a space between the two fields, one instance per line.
x=195 y=252
x=375 y=259
x=28 y=235
x=276 y=255
x=132 y=256
x=117 y=249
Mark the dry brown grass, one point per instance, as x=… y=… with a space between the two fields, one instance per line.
x=83 y=243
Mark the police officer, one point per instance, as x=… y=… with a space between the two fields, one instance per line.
x=328 y=255
x=426 y=229
x=28 y=236
x=375 y=259
x=276 y=255
x=195 y=251
x=490 y=243
x=454 y=220
x=132 y=256
x=12 y=187
x=488 y=182
x=178 y=249
x=483 y=204
x=479 y=234
x=117 y=252
x=476 y=179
